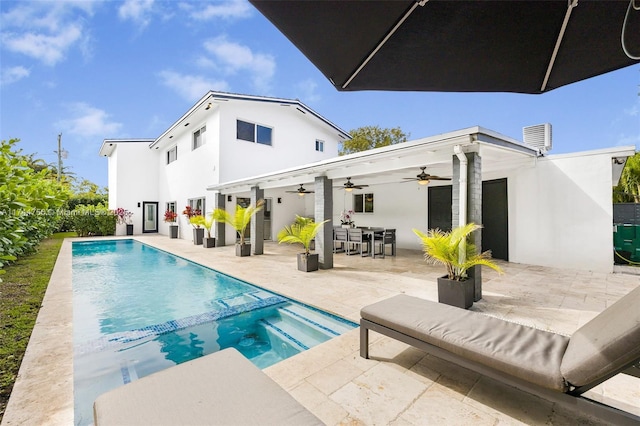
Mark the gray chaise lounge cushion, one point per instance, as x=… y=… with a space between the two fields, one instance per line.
x=524 y=352
x=223 y=388
x=607 y=343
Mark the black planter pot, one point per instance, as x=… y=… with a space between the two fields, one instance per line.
x=198 y=235
x=308 y=263
x=208 y=242
x=173 y=231
x=129 y=229
x=456 y=293
x=243 y=249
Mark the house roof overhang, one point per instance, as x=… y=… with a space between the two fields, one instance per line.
x=109 y=145
x=391 y=164
x=212 y=100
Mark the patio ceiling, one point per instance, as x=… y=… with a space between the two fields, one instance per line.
x=393 y=163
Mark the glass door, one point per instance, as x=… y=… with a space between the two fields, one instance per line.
x=149 y=216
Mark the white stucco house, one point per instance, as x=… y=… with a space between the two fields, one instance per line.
x=536 y=208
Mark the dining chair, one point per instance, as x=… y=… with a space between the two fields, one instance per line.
x=387 y=237
x=340 y=238
x=358 y=240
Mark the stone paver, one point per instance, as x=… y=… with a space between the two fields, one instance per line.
x=399 y=385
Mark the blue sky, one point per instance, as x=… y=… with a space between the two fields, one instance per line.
x=116 y=69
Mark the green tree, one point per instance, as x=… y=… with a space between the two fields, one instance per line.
x=369 y=137
x=628 y=189
x=29 y=200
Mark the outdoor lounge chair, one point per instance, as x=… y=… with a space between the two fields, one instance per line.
x=223 y=388
x=552 y=366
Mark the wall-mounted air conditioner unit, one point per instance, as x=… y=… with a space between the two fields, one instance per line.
x=538 y=136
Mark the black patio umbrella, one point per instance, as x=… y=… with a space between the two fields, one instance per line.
x=525 y=46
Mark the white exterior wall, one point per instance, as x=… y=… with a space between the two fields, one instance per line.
x=561 y=213
x=134 y=171
x=293 y=140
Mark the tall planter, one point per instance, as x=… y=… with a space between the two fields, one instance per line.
x=308 y=263
x=456 y=293
x=208 y=242
x=129 y=229
x=198 y=235
x=243 y=250
x=173 y=231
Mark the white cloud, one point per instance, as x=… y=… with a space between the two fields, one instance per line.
x=232 y=9
x=231 y=58
x=13 y=74
x=307 y=91
x=88 y=121
x=139 y=11
x=191 y=87
x=45 y=30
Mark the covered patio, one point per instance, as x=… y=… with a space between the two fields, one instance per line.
x=400 y=385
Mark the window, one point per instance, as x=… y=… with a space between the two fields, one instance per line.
x=172 y=155
x=171 y=206
x=319 y=145
x=197 y=205
x=253 y=132
x=198 y=137
x=363 y=203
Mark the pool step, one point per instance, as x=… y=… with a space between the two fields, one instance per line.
x=332 y=326
x=291 y=328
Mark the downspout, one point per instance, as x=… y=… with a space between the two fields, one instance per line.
x=462 y=202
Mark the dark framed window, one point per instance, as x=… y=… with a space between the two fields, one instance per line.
x=319 y=145
x=245 y=131
x=197 y=204
x=252 y=132
x=198 y=137
x=172 y=155
x=363 y=203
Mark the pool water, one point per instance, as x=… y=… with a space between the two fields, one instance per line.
x=139 y=310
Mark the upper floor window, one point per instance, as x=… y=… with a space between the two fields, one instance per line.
x=172 y=155
x=319 y=145
x=253 y=132
x=363 y=203
x=199 y=137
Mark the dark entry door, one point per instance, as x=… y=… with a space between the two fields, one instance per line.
x=440 y=200
x=495 y=218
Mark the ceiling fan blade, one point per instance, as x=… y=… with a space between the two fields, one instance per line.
x=438 y=178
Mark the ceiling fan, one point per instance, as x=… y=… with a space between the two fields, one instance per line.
x=349 y=186
x=301 y=191
x=424 y=178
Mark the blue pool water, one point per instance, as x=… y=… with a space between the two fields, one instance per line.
x=138 y=310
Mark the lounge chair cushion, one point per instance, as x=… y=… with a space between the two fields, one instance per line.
x=605 y=344
x=524 y=352
x=223 y=388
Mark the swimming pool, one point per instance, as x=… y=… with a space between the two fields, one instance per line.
x=138 y=310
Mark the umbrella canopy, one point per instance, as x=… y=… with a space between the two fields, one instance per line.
x=460 y=46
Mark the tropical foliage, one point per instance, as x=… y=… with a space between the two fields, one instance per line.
x=444 y=248
x=29 y=203
x=240 y=219
x=197 y=221
x=89 y=220
x=369 y=137
x=302 y=231
x=628 y=189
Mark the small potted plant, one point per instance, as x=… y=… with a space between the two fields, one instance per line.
x=439 y=247
x=198 y=232
x=239 y=221
x=303 y=231
x=123 y=216
x=346 y=218
x=170 y=217
x=208 y=241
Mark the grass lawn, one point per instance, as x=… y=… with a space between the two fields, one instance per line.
x=21 y=293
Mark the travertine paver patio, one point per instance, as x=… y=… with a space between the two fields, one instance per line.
x=399 y=385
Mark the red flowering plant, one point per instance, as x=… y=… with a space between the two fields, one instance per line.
x=195 y=216
x=123 y=216
x=170 y=216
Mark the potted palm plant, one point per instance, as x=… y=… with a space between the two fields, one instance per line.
x=170 y=217
x=208 y=241
x=452 y=250
x=302 y=231
x=239 y=221
x=197 y=222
